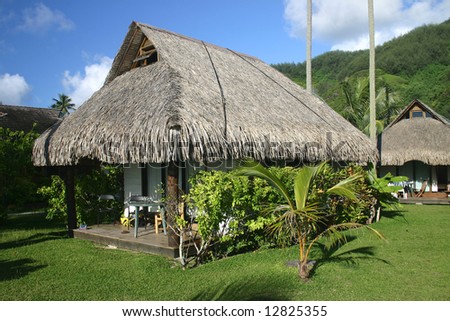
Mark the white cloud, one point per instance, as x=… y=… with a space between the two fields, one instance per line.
x=40 y=18
x=81 y=87
x=13 y=89
x=344 y=24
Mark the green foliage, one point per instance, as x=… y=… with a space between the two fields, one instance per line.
x=63 y=104
x=420 y=59
x=344 y=210
x=88 y=187
x=303 y=218
x=19 y=177
x=222 y=202
x=355 y=108
x=432 y=86
x=234 y=212
x=416 y=49
x=55 y=193
x=384 y=187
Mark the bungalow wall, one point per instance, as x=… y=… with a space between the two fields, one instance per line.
x=438 y=177
x=150 y=179
x=143 y=179
x=132 y=180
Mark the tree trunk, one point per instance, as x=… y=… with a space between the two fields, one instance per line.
x=69 y=180
x=308 y=47
x=303 y=270
x=372 y=93
x=172 y=202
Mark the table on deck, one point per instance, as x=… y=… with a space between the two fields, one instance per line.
x=144 y=201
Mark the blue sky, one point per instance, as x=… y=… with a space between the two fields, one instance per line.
x=49 y=47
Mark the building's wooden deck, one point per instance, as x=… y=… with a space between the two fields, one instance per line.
x=150 y=242
x=119 y=236
x=428 y=198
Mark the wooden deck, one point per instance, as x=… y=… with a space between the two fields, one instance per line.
x=440 y=198
x=119 y=236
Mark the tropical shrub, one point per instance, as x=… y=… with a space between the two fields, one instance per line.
x=88 y=187
x=383 y=189
x=305 y=219
x=20 y=179
x=234 y=212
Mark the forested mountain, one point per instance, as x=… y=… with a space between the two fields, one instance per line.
x=415 y=65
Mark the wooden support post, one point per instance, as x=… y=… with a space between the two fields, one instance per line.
x=172 y=202
x=69 y=180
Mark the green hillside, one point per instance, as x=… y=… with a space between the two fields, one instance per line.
x=415 y=65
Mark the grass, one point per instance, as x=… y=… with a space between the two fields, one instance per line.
x=38 y=262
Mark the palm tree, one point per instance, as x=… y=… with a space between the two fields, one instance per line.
x=372 y=121
x=301 y=219
x=308 y=47
x=388 y=99
x=357 y=101
x=63 y=104
x=357 y=108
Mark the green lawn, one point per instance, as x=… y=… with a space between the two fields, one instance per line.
x=40 y=263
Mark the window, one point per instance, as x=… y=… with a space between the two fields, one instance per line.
x=146 y=55
x=417 y=114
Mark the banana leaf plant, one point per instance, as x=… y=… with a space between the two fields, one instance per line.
x=301 y=219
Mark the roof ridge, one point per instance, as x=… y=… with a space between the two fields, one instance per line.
x=435 y=113
x=19 y=106
x=411 y=104
x=199 y=41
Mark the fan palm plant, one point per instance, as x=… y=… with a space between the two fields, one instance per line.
x=301 y=219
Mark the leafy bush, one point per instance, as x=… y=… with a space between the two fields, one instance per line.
x=20 y=179
x=87 y=189
x=55 y=193
x=233 y=212
x=346 y=210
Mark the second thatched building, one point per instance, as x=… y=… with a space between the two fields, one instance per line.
x=417 y=145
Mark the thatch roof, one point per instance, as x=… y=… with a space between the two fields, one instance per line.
x=198 y=102
x=421 y=105
x=21 y=118
x=422 y=139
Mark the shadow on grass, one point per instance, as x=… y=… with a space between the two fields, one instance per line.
x=35 y=222
x=16 y=269
x=27 y=221
x=392 y=214
x=250 y=290
x=351 y=257
x=34 y=239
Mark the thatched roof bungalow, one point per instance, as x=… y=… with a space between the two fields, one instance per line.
x=23 y=118
x=417 y=144
x=173 y=98
x=170 y=99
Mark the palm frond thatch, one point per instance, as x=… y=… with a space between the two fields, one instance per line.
x=198 y=102
x=423 y=139
x=25 y=118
